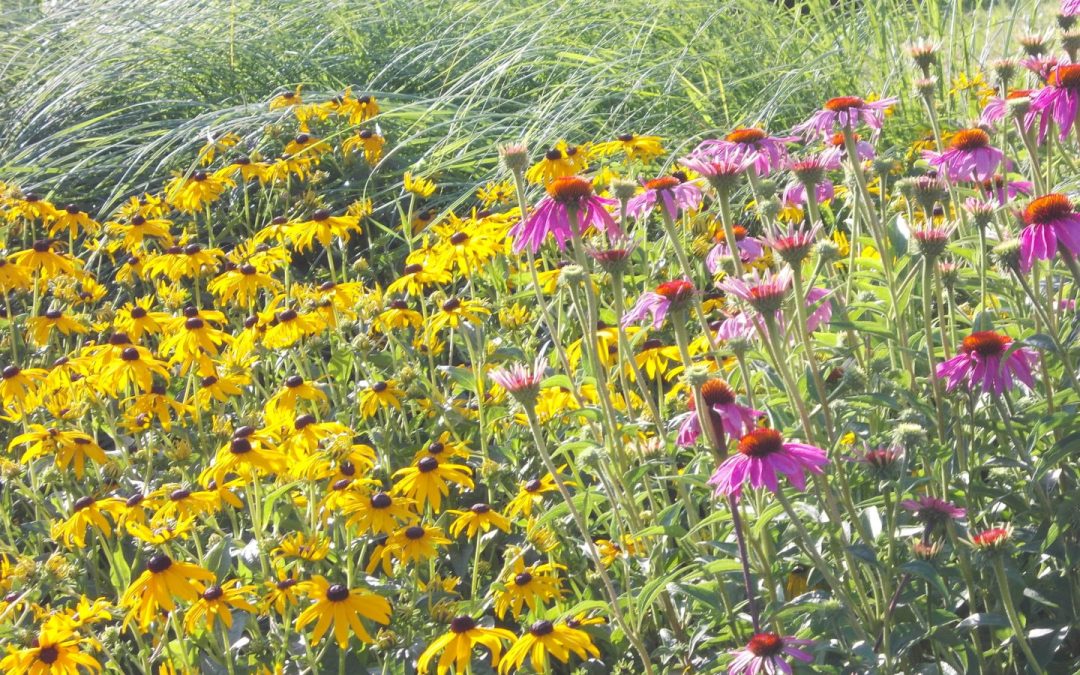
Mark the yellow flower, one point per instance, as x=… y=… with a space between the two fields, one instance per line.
x=642 y=148
x=298 y=545
x=478 y=517
x=527 y=586
x=368 y=142
x=383 y=394
x=358 y=109
x=73 y=221
x=414 y=543
x=342 y=608
x=380 y=513
x=287 y=99
x=455 y=311
x=86 y=512
x=190 y=194
x=416 y=276
x=40 y=327
x=421 y=187
x=54 y=650
x=428 y=481
x=496 y=192
x=530 y=494
x=558 y=162
x=459 y=643
x=156 y=588
x=546 y=638
x=215 y=145
x=324 y=228
x=69 y=447
x=216 y=602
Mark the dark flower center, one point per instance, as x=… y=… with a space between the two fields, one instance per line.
x=842 y=103
x=414 y=532
x=130 y=354
x=533 y=485
x=462 y=624
x=451 y=305
x=240 y=446
x=970 y=139
x=413 y=268
x=379 y=387
x=286 y=584
x=48 y=655
x=293 y=381
x=1066 y=76
x=662 y=183
x=766 y=644
x=194 y=323
x=570 y=189
x=137 y=312
x=83 y=502
x=523 y=579
x=213 y=593
x=1048 y=209
x=303 y=421
x=320 y=215
x=717 y=392
x=459 y=238
x=337 y=593
x=427 y=464
x=761 y=443
x=159 y=563
x=381 y=500
x=542 y=628
x=10 y=372
x=986 y=343
x=480 y=509
x=747 y=136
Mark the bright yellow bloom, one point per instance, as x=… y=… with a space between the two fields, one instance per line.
x=216 y=603
x=478 y=517
x=192 y=193
x=368 y=142
x=383 y=394
x=338 y=606
x=459 y=642
x=156 y=588
x=421 y=187
x=54 y=650
x=86 y=512
x=637 y=147
x=414 y=543
x=545 y=638
x=428 y=481
x=558 y=162
x=527 y=586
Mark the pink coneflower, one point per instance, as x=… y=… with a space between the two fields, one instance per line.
x=766 y=652
x=931 y=241
x=763 y=293
x=722 y=171
x=518 y=379
x=795 y=192
x=1049 y=220
x=1058 y=101
x=750 y=249
x=728 y=418
x=1070 y=7
x=878 y=460
x=994 y=539
x=844 y=112
x=657 y=304
x=552 y=215
x=740 y=326
x=615 y=258
x=997 y=108
x=836 y=151
x=932 y=511
x=820 y=308
x=968 y=157
x=795 y=244
x=671 y=193
x=1005 y=190
x=982 y=366
x=762 y=454
x=766 y=153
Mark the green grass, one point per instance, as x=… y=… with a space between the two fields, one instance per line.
x=103 y=97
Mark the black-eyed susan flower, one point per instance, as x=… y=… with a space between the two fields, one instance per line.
x=287 y=99
x=73 y=221
x=303 y=547
x=244 y=455
x=86 y=512
x=190 y=194
x=42 y=259
x=289 y=327
x=193 y=344
x=455 y=311
x=531 y=587
x=163 y=581
x=296 y=389
x=306 y=145
x=172 y=502
x=496 y=192
x=136 y=229
x=135 y=369
x=428 y=481
x=415 y=543
x=53 y=650
x=358 y=109
x=324 y=228
x=379 y=395
x=68 y=447
x=30 y=206
x=367 y=142
x=457 y=646
x=162 y=531
x=543 y=640
x=444 y=447
x=379 y=513
x=642 y=148
x=13 y=277
x=397 y=315
x=418 y=186
x=216 y=144
x=479 y=517
x=281 y=591
x=243 y=283
x=216 y=603
x=530 y=495
x=558 y=162
x=338 y=606
x=417 y=276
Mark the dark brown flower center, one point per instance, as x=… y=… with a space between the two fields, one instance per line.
x=159 y=563
x=381 y=500
x=414 y=532
x=337 y=593
x=48 y=655
x=213 y=593
x=462 y=624
x=427 y=464
x=542 y=628
x=761 y=443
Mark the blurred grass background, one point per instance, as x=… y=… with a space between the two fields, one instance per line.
x=103 y=97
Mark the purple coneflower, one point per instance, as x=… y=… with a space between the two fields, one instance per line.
x=763 y=293
x=762 y=454
x=997 y=108
x=519 y=380
x=766 y=652
x=722 y=171
x=668 y=295
x=844 y=112
x=750 y=249
x=820 y=308
x=740 y=326
x=1005 y=190
x=836 y=150
x=932 y=510
x=1070 y=7
x=795 y=244
x=728 y=418
x=795 y=192
x=673 y=194
x=968 y=157
x=552 y=215
x=1058 y=101
x=982 y=364
x=766 y=153
x=1049 y=221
